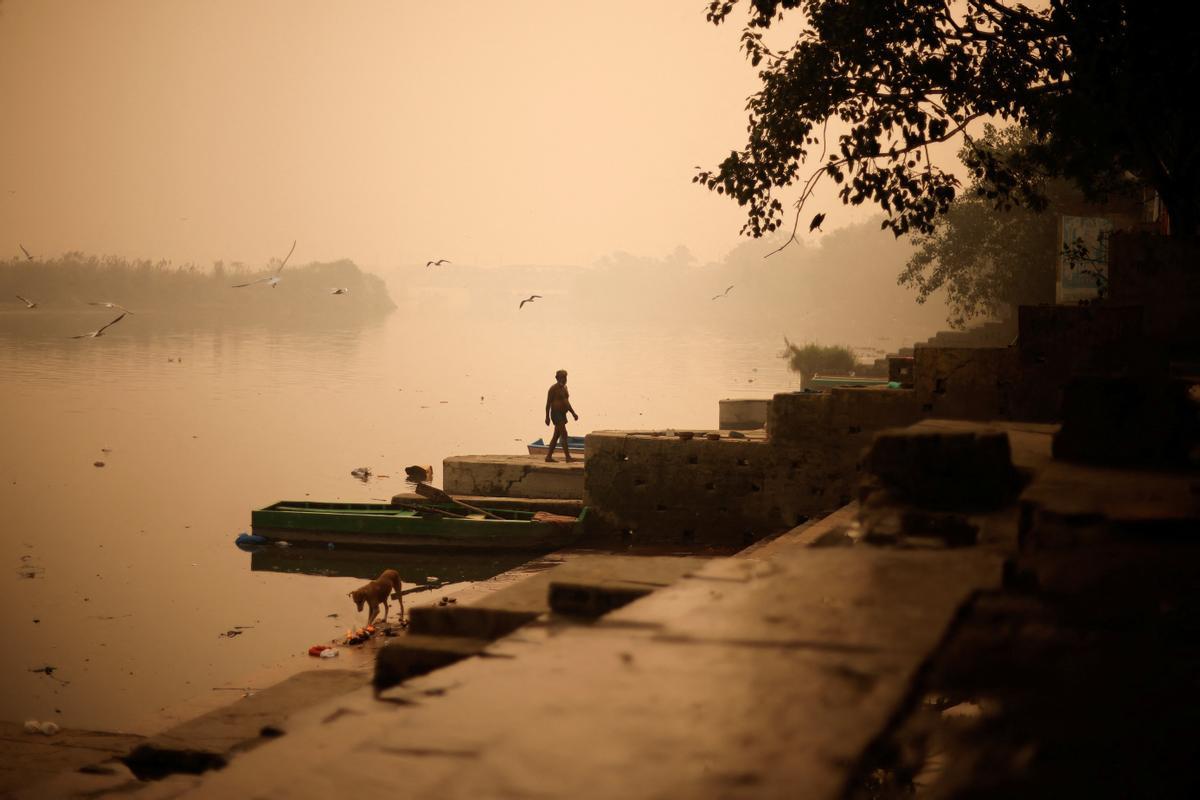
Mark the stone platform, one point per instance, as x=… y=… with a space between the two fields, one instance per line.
x=513 y=476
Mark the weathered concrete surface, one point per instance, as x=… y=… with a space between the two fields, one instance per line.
x=415 y=654
x=966 y=382
x=943 y=468
x=648 y=488
x=751 y=678
x=506 y=610
x=1126 y=421
x=947 y=511
x=28 y=759
x=513 y=476
x=1159 y=272
x=743 y=414
x=1069 y=505
x=1078 y=677
x=210 y=739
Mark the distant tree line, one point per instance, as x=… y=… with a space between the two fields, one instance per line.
x=73 y=280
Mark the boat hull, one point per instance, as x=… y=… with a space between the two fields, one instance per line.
x=574 y=446
x=372 y=525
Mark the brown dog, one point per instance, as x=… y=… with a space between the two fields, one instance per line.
x=377 y=592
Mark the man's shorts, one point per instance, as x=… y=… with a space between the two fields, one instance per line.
x=558 y=417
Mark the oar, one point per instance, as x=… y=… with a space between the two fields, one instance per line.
x=433 y=493
x=427 y=509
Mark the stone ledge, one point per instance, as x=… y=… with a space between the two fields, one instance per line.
x=513 y=476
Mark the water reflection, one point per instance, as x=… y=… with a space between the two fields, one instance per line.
x=422 y=569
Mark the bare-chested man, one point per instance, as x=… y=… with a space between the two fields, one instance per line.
x=558 y=403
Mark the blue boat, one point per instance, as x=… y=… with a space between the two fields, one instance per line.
x=574 y=447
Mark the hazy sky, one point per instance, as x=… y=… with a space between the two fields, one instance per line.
x=387 y=132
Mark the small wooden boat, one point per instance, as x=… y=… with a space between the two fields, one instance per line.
x=432 y=526
x=574 y=447
x=820 y=381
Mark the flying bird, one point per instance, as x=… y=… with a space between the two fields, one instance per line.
x=28 y=303
x=815 y=225
x=23 y=250
x=108 y=304
x=722 y=294
x=437 y=263
x=99 y=333
x=339 y=291
x=529 y=299
x=271 y=279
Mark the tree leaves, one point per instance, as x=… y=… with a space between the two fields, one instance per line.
x=1101 y=75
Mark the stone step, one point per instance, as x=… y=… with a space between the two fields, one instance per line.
x=413 y=655
x=596 y=580
x=524 y=476
x=208 y=741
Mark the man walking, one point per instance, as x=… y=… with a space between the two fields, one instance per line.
x=558 y=403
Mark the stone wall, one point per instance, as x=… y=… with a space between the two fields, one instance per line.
x=1058 y=343
x=1163 y=275
x=644 y=489
x=663 y=491
x=803 y=419
x=966 y=382
x=1026 y=381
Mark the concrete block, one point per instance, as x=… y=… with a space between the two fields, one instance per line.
x=475 y=621
x=412 y=655
x=513 y=476
x=945 y=469
x=1130 y=421
x=1158 y=273
x=795 y=416
x=966 y=382
x=743 y=414
x=594 y=599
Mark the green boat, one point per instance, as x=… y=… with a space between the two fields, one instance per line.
x=433 y=526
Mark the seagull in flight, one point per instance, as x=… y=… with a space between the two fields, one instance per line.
x=437 y=263
x=108 y=304
x=28 y=303
x=339 y=291
x=23 y=250
x=99 y=333
x=271 y=279
x=529 y=299
x=722 y=294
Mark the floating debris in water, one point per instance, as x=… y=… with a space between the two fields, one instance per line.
x=49 y=670
x=44 y=728
x=97 y=463
x=237 y=630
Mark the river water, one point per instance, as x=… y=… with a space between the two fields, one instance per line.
x=124 y=576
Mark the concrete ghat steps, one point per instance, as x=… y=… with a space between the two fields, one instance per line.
x=504 y=611
x=750 y=677
x=29 y=759
x=513 y=476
